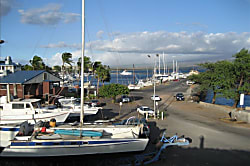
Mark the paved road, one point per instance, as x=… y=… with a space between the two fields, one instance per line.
x=209 y=134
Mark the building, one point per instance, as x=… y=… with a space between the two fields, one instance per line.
x=30 y=84
x=7 y=66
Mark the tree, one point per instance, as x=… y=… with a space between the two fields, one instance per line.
x=242 y=76
x=66 y=59
x=102 y=73
x=27 y=67
x=113 y=90
x=228 y=79
x=37 y=63
x=105 y=74
x=57 y=68
x=87 y=64
x=217 y=78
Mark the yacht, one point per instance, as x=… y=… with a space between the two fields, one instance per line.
x=126 y=73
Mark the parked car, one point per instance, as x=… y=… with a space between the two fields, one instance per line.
x=143 y=110
x=156 y=98
x=125 y=99
x=179 y=97
x=95 y=103
x=188 y=82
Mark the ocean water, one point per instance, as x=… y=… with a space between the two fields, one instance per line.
x=225 y=101
x=116 y=77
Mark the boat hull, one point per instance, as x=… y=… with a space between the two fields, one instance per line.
x=10 y=119
x=74 y=147
x=7 y=133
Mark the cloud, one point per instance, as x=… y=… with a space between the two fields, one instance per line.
x=133 y=48
x=173 y=42
x=56 y=59
x=6 y=6
x=47 y=15
x=195 y=46
x=62 y=45
x=99 y=34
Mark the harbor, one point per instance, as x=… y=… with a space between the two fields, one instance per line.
x=108 y=84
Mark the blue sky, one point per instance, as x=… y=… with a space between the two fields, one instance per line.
x=124 y=32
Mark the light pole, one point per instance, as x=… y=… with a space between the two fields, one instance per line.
x=154 y=83
x=120 y=109
x=154 y=93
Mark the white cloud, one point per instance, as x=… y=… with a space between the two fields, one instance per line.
x=6 y=6
x=170 y=42
x=57 y=58
x=133 y=48
x=62 y=45
x=99 y=34
x=47 y=15
x=248 y=40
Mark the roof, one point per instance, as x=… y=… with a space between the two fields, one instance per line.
x=20 y=76
x=26 y=101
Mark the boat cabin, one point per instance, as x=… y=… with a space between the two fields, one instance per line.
x=19 y=107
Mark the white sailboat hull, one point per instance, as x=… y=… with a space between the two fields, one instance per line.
x=7 y=133
x=83 y=147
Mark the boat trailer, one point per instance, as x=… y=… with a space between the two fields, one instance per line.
x=148 y=158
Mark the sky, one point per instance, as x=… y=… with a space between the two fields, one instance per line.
x=120 y=33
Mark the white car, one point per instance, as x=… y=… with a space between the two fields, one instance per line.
x=143 y=110
x=156 y=98
x=188 y=82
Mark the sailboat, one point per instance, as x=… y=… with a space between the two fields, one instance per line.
x=71 y=141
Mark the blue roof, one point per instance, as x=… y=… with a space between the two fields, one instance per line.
x=20 y=76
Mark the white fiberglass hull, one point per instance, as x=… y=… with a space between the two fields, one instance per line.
x=133 y=87
x=87 y=110
x=7 y=133
x=10 y=119
x=48 y=148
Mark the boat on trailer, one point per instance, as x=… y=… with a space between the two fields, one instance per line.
x=73 y=146
x=63 y=141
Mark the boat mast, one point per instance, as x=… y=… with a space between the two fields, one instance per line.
x=82 y=64
x=176 y=66
x=117 y=75
x=159 y=64
x=173 y=65
x=134 y=73
x=164 y=65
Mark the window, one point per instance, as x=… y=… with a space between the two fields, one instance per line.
x=45 y=76
x=4 y=87
x=17 y=106
x=27 y=105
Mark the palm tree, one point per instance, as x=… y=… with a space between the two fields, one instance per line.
x=102 y=73
x=87 y=64
x=66 y=59
x=105 y=76
x=37 y=63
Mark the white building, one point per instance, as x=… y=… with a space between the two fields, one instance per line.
x=7 y=66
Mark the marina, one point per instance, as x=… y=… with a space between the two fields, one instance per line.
x=119 y=83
